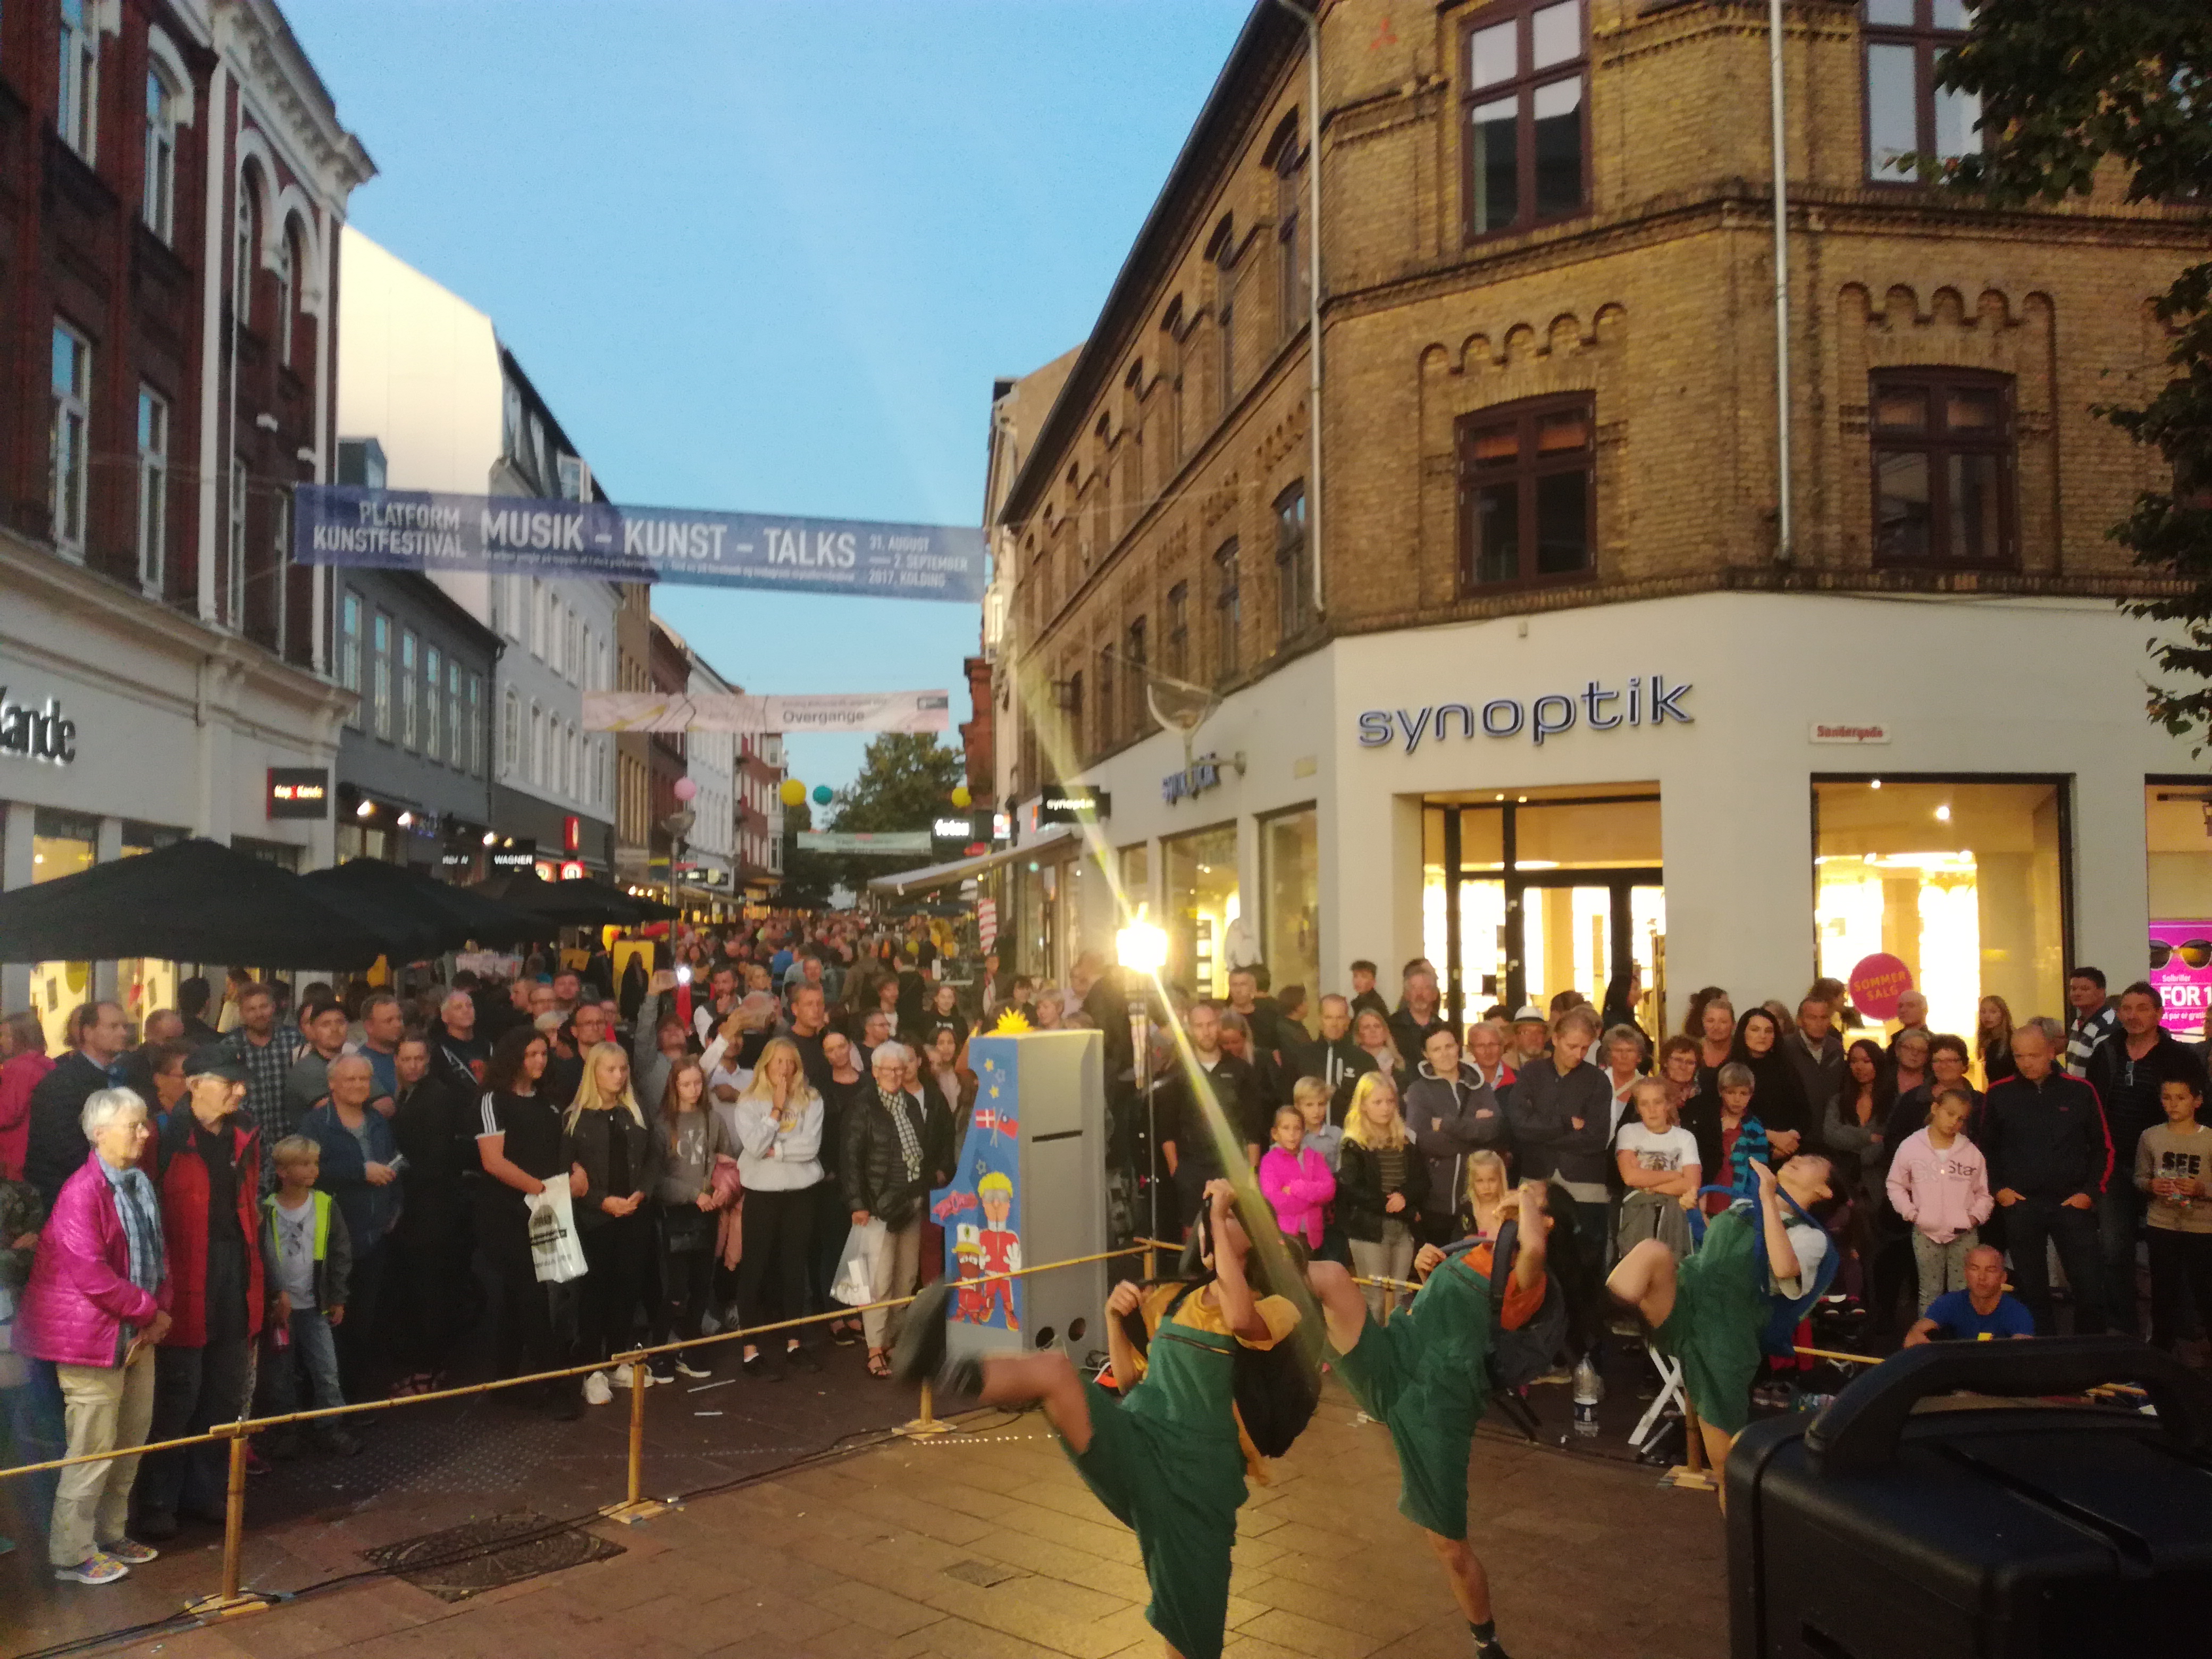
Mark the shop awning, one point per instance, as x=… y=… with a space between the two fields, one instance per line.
x=937 y=875
x=453 y=915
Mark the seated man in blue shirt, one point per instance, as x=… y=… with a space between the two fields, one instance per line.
x=1980 y=1313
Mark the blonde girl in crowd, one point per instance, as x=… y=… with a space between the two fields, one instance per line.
x=1481 y=1205
x=1381 y=1182
x=777 y=1124
x=1993 y=1030
x=617 y=1158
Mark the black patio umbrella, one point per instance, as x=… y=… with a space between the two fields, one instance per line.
x=644 y=909
x=194 y=901
x=452 y=915
x=564 y=903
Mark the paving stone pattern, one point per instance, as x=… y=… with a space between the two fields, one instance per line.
x=984 y=1545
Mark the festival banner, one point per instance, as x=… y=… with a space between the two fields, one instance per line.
x=904 y=842
x=739 y=711
x=419 y=530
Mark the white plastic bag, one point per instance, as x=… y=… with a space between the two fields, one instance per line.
x=555 y=1251
x=855 y=1283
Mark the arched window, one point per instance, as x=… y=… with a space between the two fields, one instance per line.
x=1221 y=254
x=158 y=203
x=246 y=238
x=287 y=266
x=1285 y=155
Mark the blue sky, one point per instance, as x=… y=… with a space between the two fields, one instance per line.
x=769 y=254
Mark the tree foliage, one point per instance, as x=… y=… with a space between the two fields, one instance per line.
x=906 y=781
x=2067 y=86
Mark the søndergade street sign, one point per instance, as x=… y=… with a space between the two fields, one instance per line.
x=426 y=531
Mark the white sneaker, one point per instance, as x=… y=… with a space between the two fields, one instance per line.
x=621 y=1374
x=597 y=1390
x=690 y=1367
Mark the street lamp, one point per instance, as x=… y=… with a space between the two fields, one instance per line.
x=1143 y=949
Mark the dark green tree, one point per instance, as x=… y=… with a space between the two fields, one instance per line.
x=807 y=875
x=2067 y=86
x=906 y=781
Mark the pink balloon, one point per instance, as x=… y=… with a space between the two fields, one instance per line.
x=686 y=788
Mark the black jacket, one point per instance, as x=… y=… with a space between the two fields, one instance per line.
x=2046 y=1139
x=56 y=1148
x=1340 y=1065
x=1541 y=1107
x=1235 y=1090
x=590 y=1142
x=1412 y=1035
x=871 y=1165
x=1817 y=1079
x=2129 y=1089
x=1449 y=1118
x=1360 y=1193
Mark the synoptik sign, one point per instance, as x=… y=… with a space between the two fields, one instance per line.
x=1597 y=706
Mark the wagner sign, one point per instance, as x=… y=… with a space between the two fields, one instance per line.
x=1596 y=706
x=417 y=530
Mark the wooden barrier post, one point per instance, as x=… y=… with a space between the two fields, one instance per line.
x=231 y=1601
x=635 y=1507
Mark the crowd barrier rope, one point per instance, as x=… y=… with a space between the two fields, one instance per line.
x=233 y=1598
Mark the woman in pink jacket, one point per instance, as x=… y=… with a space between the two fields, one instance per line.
x=1296 y=1181
x=22 y=1062
x=96 y=1304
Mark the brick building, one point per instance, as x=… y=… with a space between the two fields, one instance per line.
x=1528 y=683
x=174 y=178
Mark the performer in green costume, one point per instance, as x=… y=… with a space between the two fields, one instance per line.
x=1167 y=1456
x=1423 y=1375
x=1709 y=1312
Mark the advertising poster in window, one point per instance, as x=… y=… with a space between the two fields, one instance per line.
x=980 y=1210
x=2181 y=968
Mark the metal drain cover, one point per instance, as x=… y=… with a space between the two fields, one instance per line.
x=466 y=1560
x=983 y=1573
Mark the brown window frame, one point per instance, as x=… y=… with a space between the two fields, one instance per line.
x=1521 y=86
x=1134 y=660
x=1928 y=42
x=1937 y=443
x=1528 y=467
x=1293 y=575
x=1176 y=656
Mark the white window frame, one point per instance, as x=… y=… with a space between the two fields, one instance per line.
x=411 y=691
x=537 y=752
x=379 y=669
x=235 y=593
x=153 y=490
x=511 y=733
x=76 y=109
x=476 y=733
x=157 y=203
x=457 y=746
x=350 y=611
x=433 y=702
x=68 y=440
x=245 y=233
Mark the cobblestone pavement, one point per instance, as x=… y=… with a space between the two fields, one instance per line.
x=984 y=1545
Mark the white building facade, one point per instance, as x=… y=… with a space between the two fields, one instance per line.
x=453 y=409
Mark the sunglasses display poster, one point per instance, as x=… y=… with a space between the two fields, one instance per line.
x=2181 y=968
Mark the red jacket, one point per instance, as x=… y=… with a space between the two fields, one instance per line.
x=18 y=1077
x=181 y=1176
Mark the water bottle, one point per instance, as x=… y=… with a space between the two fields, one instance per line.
x=1589 y=1388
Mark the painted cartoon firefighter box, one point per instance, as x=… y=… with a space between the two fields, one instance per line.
x=1029 y=1187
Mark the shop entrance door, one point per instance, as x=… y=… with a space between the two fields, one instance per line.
x=1530 y=894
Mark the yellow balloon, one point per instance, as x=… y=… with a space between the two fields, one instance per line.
x=960 y=795
x=793 y=791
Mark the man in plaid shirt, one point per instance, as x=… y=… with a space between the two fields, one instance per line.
x=267 y=1050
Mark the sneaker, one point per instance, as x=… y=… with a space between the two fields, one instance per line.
x=255 y=1462
x=597 y=1391
x=662 y=1370
x=623 y=1375
x=95 y=1569
x=801 y=1355
x=761 y=1367
x=130 y=1552
x=338 y=1443
x=697 y=1369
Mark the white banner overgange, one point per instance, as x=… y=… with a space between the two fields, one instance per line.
x=831 y=711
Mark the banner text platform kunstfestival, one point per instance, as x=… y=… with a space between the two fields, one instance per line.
x=418 y=530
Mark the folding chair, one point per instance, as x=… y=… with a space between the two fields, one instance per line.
x=1670 y=1393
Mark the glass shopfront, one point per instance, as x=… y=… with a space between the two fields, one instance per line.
x=1289 y=894
x=1202 y=905
x=1960 y=878
x=1527 y=893
x=62 y=844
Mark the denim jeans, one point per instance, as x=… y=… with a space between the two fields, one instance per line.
x=2119 y=1223
x=2028 y=1225
x=314 y=1345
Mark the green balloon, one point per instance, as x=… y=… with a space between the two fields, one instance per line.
x=823 y=794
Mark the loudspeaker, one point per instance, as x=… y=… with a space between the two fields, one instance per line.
x=1030 y=1186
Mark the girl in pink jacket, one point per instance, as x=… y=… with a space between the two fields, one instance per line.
x=1296 y=1181
x=1940 y=1181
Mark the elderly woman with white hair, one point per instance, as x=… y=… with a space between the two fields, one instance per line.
x=96 y=1304
x=895 y=1149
